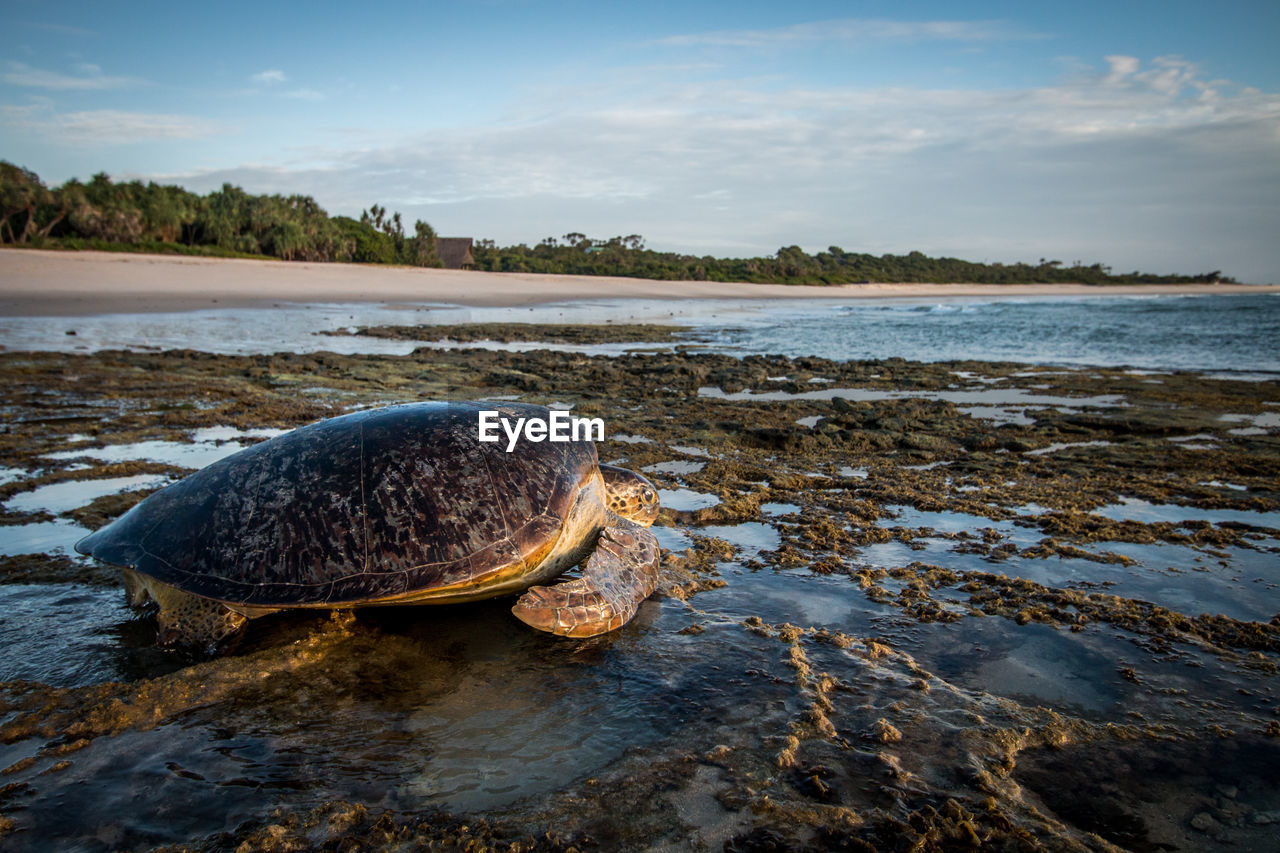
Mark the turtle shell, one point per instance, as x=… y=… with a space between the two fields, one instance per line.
x=367 y=506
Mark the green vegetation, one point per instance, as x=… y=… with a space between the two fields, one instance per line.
x=229 y=222
x=627 y=256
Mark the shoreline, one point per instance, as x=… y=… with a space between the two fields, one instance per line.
x=49 y=283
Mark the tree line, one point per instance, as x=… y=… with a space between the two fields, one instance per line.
x=578 y=254
x=104 y=214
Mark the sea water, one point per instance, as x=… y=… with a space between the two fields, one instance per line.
x=1228 y=333
x=1236 y=334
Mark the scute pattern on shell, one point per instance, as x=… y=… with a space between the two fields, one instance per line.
x=363 y=506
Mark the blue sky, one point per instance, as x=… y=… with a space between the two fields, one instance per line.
x=1141 y=135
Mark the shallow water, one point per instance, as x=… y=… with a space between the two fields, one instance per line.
x=207 y=445
x=1229 y=334
x=472 y=712
x=1235 y=780
x=98 y=637
x=629 y=439
x=1030 y=663
x=1135 y=509
x=291 y=327
x=60 y=497
x=682 y=466
x=686 y=499
x=1066 y=445
x=995 y=399
x=690 y=451
x=750 y=537
x=1237 y=582
x=58 y=535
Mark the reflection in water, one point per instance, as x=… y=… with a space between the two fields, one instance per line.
x=1135 y=509
x=686 y=499
x=679 y=466
x=61 y=497
x=1033 y=663
x=207 y=446
x=991 y=397
x=58 y=535
x=62 y=634
x=1182 y=578
x=461 y=707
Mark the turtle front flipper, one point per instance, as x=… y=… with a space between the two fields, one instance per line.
x=621 y=573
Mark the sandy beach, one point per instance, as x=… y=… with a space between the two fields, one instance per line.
x=54 y=283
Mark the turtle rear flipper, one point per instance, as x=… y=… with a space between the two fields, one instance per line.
x=183 y=619
x=621 y=573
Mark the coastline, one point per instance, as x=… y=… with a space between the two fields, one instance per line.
x=37 y=282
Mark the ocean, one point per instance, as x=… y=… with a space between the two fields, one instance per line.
x=1221 y=334
x=1237 y=335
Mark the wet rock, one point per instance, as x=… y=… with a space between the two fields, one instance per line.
x=507 y=332
x=885 y=732
x=55 y=568
x=107 y=508
x=1204 y=822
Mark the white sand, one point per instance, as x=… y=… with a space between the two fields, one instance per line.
x=55 y=283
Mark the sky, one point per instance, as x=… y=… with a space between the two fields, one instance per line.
x=1136 y=134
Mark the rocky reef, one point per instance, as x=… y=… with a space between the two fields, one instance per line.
x=904 y=606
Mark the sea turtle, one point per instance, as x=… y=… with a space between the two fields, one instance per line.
x=397 y=505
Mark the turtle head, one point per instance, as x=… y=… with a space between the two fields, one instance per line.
x=630 y=495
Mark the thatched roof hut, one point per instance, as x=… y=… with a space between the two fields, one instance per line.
x=455 y=252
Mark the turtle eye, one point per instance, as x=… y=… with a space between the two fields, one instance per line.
x=648 y=495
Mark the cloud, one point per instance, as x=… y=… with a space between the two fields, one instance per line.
x=854 y=29
x=20 y=74
x=1122 y=68
x=274 y=76
x=305 y=94
x=1130 y=165
x=103 y=127
x=271 y=75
